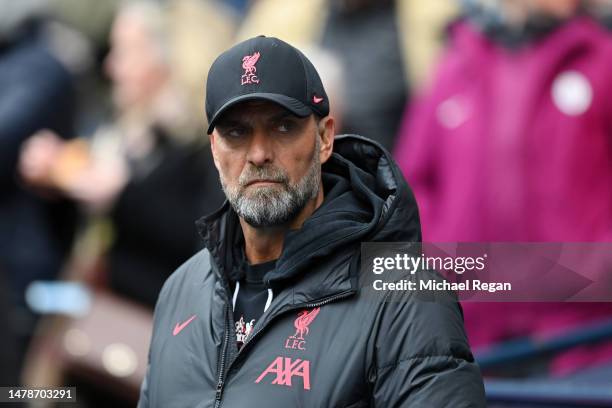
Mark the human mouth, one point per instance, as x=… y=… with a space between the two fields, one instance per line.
x=262 y=182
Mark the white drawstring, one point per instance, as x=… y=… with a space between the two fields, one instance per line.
x=268 y=301
x=235 y=296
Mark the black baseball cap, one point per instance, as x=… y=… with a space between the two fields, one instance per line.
x=264 y=68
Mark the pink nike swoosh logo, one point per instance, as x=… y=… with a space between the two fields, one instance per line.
x=179 y=327
x=316 y=99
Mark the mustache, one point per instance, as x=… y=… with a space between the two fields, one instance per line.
x=267 y=173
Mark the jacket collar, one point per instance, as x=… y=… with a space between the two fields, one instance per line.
x=223 y=238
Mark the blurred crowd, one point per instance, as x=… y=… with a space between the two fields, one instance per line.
x=498 y=112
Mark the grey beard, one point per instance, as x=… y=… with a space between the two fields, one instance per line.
x=277 y=205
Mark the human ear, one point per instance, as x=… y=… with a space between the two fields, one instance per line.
x=327 y=131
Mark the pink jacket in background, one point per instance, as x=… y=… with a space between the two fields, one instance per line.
x=516 y=145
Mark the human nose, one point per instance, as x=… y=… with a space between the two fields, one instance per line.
x=260 y=149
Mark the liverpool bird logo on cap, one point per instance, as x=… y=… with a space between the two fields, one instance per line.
x=248 y=63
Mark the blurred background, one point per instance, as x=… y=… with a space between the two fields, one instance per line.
x=499 y=113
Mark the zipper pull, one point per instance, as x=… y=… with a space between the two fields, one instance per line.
x=219 y=391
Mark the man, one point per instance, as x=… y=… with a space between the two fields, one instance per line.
x=270 y=313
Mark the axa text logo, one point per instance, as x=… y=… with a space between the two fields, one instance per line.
x=283 y=369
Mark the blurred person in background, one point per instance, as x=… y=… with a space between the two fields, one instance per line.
x=145 y=172
x=384 y=49
x=148 y=174
x=512 y=143
x=35 y=232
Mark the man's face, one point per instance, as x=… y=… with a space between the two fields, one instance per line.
x=268 y=160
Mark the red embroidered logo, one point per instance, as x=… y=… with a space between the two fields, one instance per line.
x=317 y=99
x=248 y=64
x=285 y=369
x=304 y=319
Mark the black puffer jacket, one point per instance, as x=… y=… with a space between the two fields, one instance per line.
x=321 y=343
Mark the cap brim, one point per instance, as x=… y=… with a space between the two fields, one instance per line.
x=291 y=104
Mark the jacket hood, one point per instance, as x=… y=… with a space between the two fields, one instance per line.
x=366 y=200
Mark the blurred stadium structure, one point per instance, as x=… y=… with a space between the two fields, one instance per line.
x=101 y=112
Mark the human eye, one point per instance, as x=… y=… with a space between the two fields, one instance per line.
x=233 y=132
x=285 y=126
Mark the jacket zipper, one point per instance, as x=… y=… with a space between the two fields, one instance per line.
x=326 y=301
x=221 y=378
x=221 y=381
